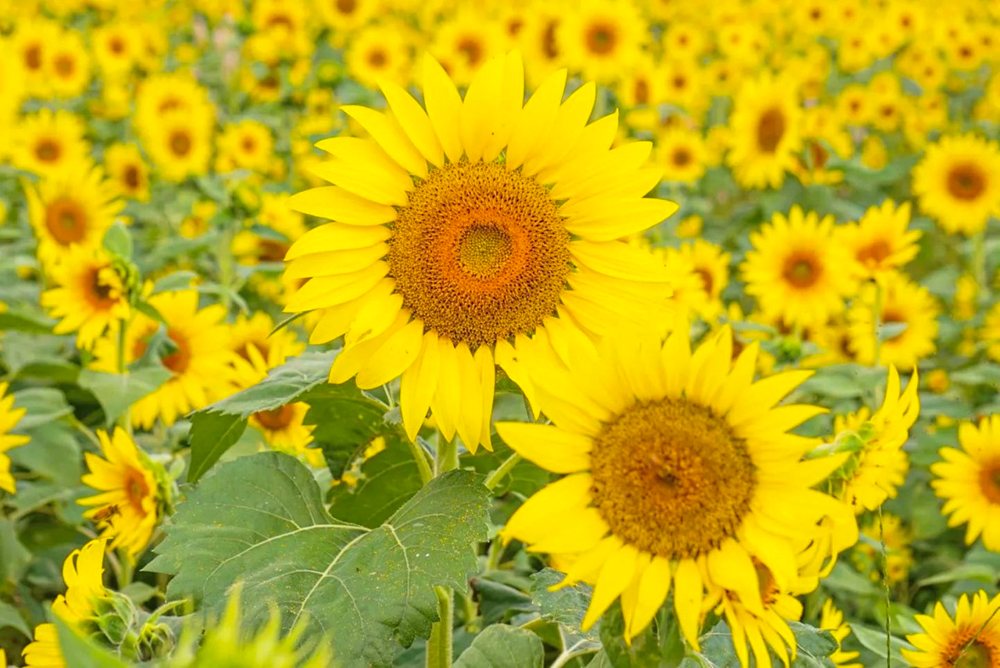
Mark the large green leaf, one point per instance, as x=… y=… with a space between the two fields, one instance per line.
x=211 y=435
x=567 y=605
x=116 y=392
x=502 y=646
x=260 y=520
x=11 y=618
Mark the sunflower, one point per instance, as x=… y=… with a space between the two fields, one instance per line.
x=127 y=169
x=68 y=65
x=681 y=474
x=832 y=620
x=991 y=333
x=31 y=42
x=797 y=270
x=878 y=464
x=48 y=142
x=880 y=241
x=89 y=295
x=970 y=640
x=73 y=207
x=251 y=247
x=687 y=285
x=683 y=155
x=200 y=361
x=379 y=52
x=968 y=481
x=538 y=39
x=83 y=573
x=9 y=417
x=765 y=127
x=244 y=145
x=346 y=17
x=116 y=47
x=641 y=85
x=437 y=273
x=958 y=182
x=603 y=38
x=887 y=529
x=464 y=44
x=902 y=302
x=699 y=272
x=163 y=94
x=179 y=145
x=129 y=497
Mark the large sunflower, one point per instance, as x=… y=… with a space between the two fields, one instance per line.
x=903 y=302
x=958 y=182
x=797 y=270
x=9 y=417
x=200 y=362
x=969 y=481
x=880 y=241
x=46 y=142
x=464 y=229
x=681 y=474
x=766 y=134
x=969 y=640
x=75 y=206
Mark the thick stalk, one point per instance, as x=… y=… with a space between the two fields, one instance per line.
x=423 y=464
x=439 y=644
x=494 y=478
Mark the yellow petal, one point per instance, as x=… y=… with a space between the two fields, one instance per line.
x=365 y=184
x=336 y=237
x=325 y=291
x=393 y=357
x=374 y=317
x=509 y=110
x=615 y=576
x=566 y=130
x=487 y=380
x=479 y=118
x=447 y=402
x=414 y=121
x=588 y=564
x=653 y=590
x=764 y=394
x=335 y=262
x=618 y=259
x=595 y=140
x=390 y=136
x=600 y=175
x=730 y=567
x=337 y=204
x=444 y=106
x=580 y=532
x=350 y=360
x=536 y=120
x=470 y=418
x=533 y=519
x=688 y=595
x=621 y=219
x=548 y=446
x=418 y=385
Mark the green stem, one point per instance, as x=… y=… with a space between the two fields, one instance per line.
x=494 y=478
x=125 y=419
x=439 y=644
x=447 y=455
x=885 y=587
x=979 y=263
x=226 y=264
x=125 y=572
x=423 y=463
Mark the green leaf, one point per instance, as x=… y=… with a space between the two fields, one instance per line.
x=53 y=453
x=283 y=385
x=567 y=605
x=977 y=572
x=118 y=241
x=14 y=557
x=874 y=640
x=116 y=392
x=346 y=420
x=498 y=601
x=179 y=280
x=386 y=481
x=11 y=618
x=15 y=319
x=42 y=405
x=211 y=435
x=814 y=645
x=260 y=520
x=502 y=646
x=979 y=374
x=643 y=651
x=85 y=653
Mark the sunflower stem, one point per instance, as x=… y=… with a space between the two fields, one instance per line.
x=447 y=455
x=125 y=572
x=494 y=478
x=125 y=419
x=979 y=262
x=423 y=463
x=439 y=648
x=885 y=588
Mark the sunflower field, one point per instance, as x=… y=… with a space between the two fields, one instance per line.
x=524 y=334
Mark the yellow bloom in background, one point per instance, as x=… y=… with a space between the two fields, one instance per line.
x=251 y=247
x=890 y=530
x=179 y=146
x=196 y=224
x=128 y=499
x=797 y=270
x=48 y=142
x=832 y=620
x=602 y=39
x=68 y=65
x=879 y=467
x=116 y=48
x=679 y=474
x=682 y=154
x=966 y=301
x=31 y=40
x=464 y=43
x=969 y=640
x=89 y=296
x=200 y=362
x=903 y=302
x=874 y=154
x=244 y=145
x=83 y=573
x=127 y=169
x=991 y=333
x=689 y=227
x=969 y=481
x=9 y=417
x=255 y=332
x=161 y=95
x=765 y=132
x=880 y=241
x=958 y=182
x=75 y=206
x=479 y=254
x=379 y=51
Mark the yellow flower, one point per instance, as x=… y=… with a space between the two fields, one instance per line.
x=682 y=154
x=128 y=171
x=75 y=206
x=690 y=227
x=969 y=481
x=765 y=132
x=887 y=529
x=251 y=248
x=880 y=241
x=969 y=640
x=797 y=270
x=958 y=183
x=991 y=333
x=48 y=142
x=603 y=38
x=196 y=224
x=128 y=502
x=244 y=145
x=9 y=417
x=832 y=620
x=179 y=145
x=68 y=66
x=200 y=363
x=874 y=155
x=679 y=474
x=88 y=297
x=481 y=253
x=878 y=464
x=379 y=51
x=902 y=302
x=255 y=332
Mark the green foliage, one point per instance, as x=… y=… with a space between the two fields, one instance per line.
x=566 y=606
x=260 y=521
x=502 y=646
x=116 y=392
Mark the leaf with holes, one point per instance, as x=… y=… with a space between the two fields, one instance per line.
x=260 y=520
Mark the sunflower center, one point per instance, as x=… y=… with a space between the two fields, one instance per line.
x=48 y=150
x=989 y=481
x=276 y=419
x=976 y=654
x=601 y=39
x=272 y=251
x=262 y=347
x=671 y=478
x=766 y=584
x=100 y=291
x=65 y=65
x=706 y=278
x=875 y=252
x=249 y=144
x=819 y=155
x=131 y=177
x=33 y=56
x=801 y=270
x=66 y=221
x=178 y=360
x=549 y=44
x=479 y=253
x=376 y=58
x=180 y=143
x=966 y=181
x=770 y=130
x=472 y=49
x=682 y=157
x=136 y=489
x=346 y=6
x=641 y=92
x=893 y=317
